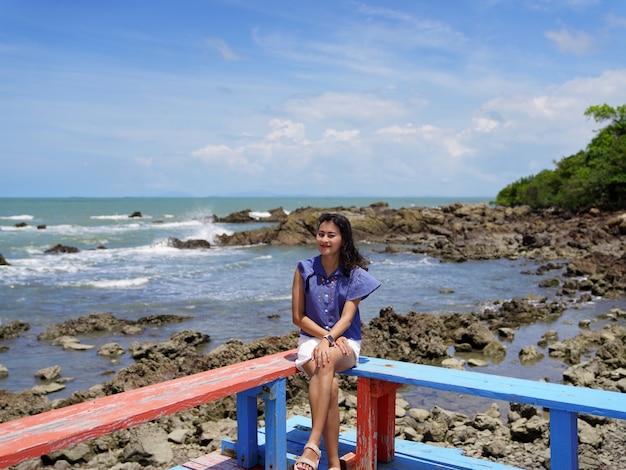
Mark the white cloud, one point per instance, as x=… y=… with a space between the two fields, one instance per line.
x=614 y=21
x=225 y=51
x=571 y=42
x=350 y=107
x=485 y=125
x=286 y=129
x=340 y=136
x=407 y=129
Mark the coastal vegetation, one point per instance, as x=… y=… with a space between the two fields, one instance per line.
x=593 y=177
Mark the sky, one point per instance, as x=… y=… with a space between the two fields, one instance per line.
x=207 y=98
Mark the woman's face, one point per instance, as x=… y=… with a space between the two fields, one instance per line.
x=329 y=239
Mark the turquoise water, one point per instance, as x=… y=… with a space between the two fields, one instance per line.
x=230 y=292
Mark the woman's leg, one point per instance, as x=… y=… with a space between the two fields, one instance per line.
x=323 y=400
x=331 y=429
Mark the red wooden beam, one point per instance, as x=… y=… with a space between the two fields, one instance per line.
x=37 y=435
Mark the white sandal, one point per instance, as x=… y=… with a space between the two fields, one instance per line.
x=309 y=462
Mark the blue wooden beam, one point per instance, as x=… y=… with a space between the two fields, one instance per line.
x=563 y=440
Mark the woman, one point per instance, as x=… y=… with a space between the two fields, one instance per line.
x=326 y=293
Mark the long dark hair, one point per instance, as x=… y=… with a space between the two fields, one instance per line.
x=349 y=256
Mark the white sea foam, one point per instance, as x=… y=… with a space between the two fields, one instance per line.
x=110 y=217
x=118 y=217
x=120 y=283
x=17 y=217
x=257 y=215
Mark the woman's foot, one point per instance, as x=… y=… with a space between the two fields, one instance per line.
x=310 y=458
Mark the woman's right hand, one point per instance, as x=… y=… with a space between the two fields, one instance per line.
x=321 y=353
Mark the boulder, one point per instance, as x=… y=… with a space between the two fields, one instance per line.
x=148 y=446
x=13 y=329
x=49 y=373
x=4 y=262
x=60 y=249
x=193 y=244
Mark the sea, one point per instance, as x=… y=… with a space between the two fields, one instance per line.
x=125 y=266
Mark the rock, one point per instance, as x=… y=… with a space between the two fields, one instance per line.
x=529 y=355
x=135 y=215
x=495 y=350
x=581 y=375
x=148 y=446
x=474 y=362
x=131 y=330
x=482 y=421
x=49 y=373
x=48 y=388
x=77 y=346
x=496 y=448
x=506 y=334
x=80 y=453
x=56 y=249
x=105 y=322
x=4 y=372
x=419 y=414
x=587 y=434
x=475 y=334
x=4 y=262
x=111 y=349
x=179 y=436
x=193 y=244
x=452 y=363
x=552 y=282
x=13 y=329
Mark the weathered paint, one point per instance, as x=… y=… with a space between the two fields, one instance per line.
x=544 y=394
x=378 y=379
x=563 y=401
x=37 y=435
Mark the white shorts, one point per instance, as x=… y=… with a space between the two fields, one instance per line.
x=306 y=345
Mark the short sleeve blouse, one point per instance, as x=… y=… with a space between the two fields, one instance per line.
x=325 y=296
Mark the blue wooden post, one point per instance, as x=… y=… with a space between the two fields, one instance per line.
x=274 y=396
x=563 y=440
x=247 y=437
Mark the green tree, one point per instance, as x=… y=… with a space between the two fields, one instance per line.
x=595 y=176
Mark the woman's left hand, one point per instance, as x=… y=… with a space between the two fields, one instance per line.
x=342 y=344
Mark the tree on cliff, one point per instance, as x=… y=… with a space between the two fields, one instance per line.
x=594 y=177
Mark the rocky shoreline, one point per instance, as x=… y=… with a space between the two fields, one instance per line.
x=586 y=252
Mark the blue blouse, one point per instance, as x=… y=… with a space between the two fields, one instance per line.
x=326 y=296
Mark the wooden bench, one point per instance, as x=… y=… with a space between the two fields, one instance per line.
x=265 y=378
x=376 y=390
x=37 y=435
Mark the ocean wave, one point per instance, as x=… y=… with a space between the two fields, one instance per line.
x=17 y=217
x=118 y=217
x=257 y=215
x=120 y=283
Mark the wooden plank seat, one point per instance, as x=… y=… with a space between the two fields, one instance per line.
x=408 y=455
x=37 y=435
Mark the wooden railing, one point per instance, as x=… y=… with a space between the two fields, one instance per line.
x=378 y=379
x=34 y=436
x=376 y=405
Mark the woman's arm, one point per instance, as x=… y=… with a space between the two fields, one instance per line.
x=347 y=315
x=298 y=309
